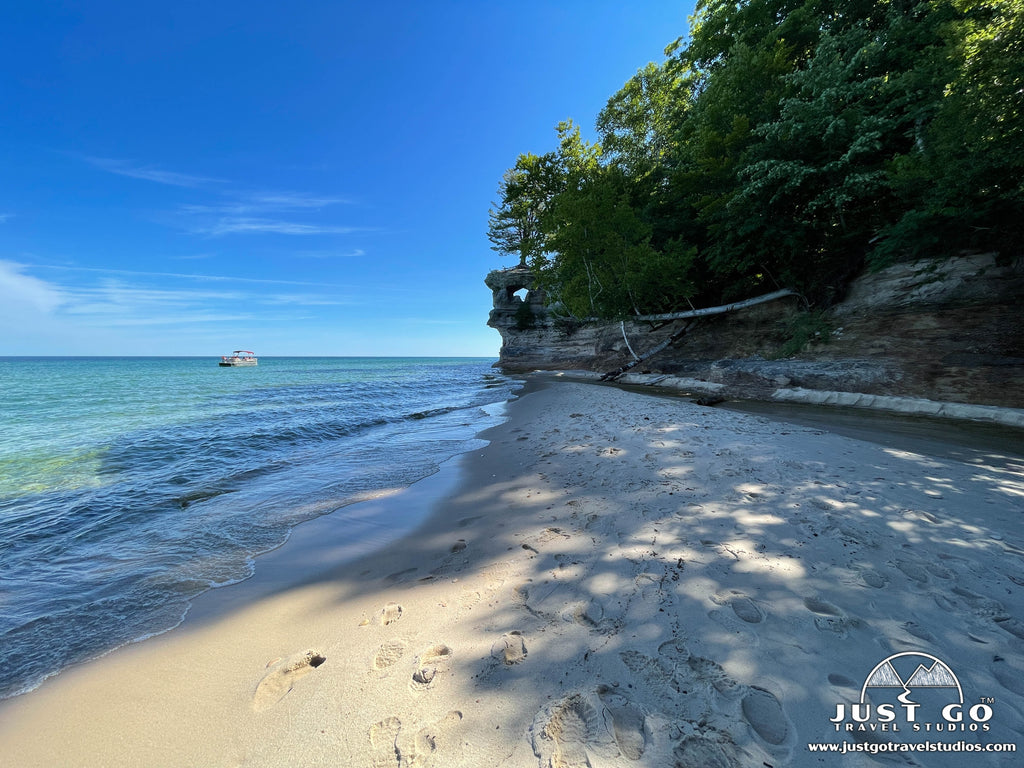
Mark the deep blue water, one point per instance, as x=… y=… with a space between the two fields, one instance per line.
x=130 y=485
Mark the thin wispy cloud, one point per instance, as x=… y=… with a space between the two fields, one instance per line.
x=187 y=276
x=118 y=299
x=240 y=212
x=330 y=254
x=176 y=318
x=20 y=291
x=262 y=204
x=286 y=201
x=305 y=300
x=151 y=173
x=228 y=225
x=4 y=217
x=115 y=297
x=432 y=321
x=262 y=213
x=127 y=301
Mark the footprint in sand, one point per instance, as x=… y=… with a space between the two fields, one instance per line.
x=454 y=561
x=390 y=613
x=627 y=723
x=1014 y=626
x=428 y=664
x=282 y=676
x=435 y=654
x=430 y=745
x=657 y=675
x=388 y=654
x=712 y=673
x=842 y=681
x=824 y=607
x=710 y=749
x=433 y=742
x=945 y=603
x=510 y=649
x=746 y=610
x=830 y=618
x=981 y=605
x=921 y=514
x=743 y=606
x=423 y=677
x=912 y=571
x=588 y=614
x=764 y=713
x=539 y=542
x=384 y=743
x=669 y=676
x=563 y=733
x=1009 y=673
x=399 y=576
x=941 y=571
x=873 y=578
x=915 y=629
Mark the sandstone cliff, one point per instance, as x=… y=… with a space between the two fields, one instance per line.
x=946 y=331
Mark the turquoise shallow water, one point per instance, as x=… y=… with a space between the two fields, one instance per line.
x=130 y=485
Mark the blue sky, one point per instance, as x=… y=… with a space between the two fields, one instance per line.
x=296 y=178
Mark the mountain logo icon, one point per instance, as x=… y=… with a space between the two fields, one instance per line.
x=930 y=672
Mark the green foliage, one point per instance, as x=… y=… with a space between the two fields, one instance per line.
x=636 y=126
x=805 y=328
x=525 y=318
x=963 y=186
x=526 y=190
x=783 y=143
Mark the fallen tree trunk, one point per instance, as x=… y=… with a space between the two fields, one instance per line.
x=720 y=310
x=692 y=314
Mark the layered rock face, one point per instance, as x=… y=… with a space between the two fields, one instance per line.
x=950 y=331
x=533 y=338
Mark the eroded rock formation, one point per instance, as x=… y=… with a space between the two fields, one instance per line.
x=948 y=331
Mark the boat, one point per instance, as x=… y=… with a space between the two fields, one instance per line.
x=238 y=358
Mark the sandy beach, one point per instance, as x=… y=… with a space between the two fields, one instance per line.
x=615 y=580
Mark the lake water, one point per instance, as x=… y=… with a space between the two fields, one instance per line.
x=128 y=486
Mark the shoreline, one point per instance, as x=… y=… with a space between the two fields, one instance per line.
x=123 y=500
x=600 y=555
x=769 y=394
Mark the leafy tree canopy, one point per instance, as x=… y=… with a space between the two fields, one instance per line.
x=782 y=143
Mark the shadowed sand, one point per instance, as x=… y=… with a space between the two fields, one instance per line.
x=616 y=580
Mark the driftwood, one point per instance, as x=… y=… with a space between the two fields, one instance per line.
x=692 y=314
x=622 y=325
x=611 y=376
x=718 y=310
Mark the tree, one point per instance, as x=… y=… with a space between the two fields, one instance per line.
x=603 y=263
x=962 y=185
x=637 y=125
x=716 y=140
x=515 y=226
x=816 y=181
x=780 y=145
